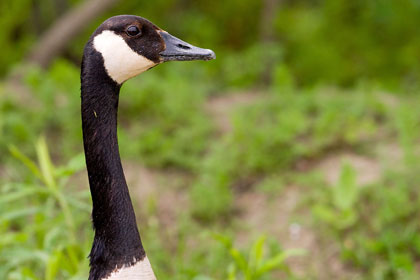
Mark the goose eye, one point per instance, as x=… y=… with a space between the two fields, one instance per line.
x=133 y=30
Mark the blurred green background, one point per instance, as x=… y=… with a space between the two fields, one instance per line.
x=293 y=155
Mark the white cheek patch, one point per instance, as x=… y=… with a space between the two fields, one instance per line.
x=121 y=62
x=141 y=270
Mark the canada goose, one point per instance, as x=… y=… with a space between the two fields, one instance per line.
x=121 y=48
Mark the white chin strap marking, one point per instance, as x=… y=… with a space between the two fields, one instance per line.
x=121 y=62
x=141 y=270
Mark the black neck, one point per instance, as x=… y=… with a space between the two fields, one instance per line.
x=117 y=241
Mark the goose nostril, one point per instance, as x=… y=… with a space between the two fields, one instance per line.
x=183 y=47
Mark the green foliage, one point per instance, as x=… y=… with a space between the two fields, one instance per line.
x=174 y=130
x=49 y=102
x=211 y=194
x=385 y=239
x=44 y=230
x=14 y=42
x=375 y=224
x=406 y=121
x=277 y=132
x=301 y=116
x=255 y=265
x=339 y=213
x=341 y=41
x=247 y=67
x=328 y=41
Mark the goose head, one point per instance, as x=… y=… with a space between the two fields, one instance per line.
x=130 y=45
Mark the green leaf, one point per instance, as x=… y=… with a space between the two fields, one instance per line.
x=53 y=265
x=47 y=168
x=75 y=164
x=15 y=214
x=25 y=160
x=231 y=271
x=223 y=239
x=402 y=261
x=202 y=277
x=278 y=260
x=239 y=259
x=20 y=194
x=325 y=213
x=256 y=254
x=346 y=192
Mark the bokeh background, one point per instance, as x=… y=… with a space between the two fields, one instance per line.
x=293 y=155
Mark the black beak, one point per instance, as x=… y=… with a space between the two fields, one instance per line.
x=177 y=49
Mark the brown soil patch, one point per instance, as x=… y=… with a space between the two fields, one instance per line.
x=273 y=216
x=165 y=189
x=220 y=108
x=368 y=170
x=281 y=217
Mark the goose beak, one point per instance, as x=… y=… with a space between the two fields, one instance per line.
x=176 y=49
